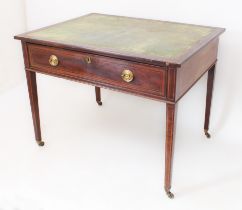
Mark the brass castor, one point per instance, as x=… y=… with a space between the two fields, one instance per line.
x=207 y=134
x=170 y=194
x=99 y=103
x=41 y=143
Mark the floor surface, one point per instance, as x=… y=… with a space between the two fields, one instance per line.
x=109 y=157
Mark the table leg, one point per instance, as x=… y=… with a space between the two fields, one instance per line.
x=170 y=131
x=33 y=97
x=98 y=95
x=209 y=99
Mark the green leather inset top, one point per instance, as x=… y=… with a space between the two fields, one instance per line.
x=131 y=36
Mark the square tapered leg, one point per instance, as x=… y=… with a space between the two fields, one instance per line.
x=169 y=146
x=210 y=82
x=98 y=95
x=33 y=97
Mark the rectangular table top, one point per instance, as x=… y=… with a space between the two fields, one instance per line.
x=161 y=41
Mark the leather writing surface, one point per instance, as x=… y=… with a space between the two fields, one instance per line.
x=141 y=37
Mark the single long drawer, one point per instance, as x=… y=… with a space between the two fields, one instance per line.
x=109 y=72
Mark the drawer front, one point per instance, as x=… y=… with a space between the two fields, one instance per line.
x=99 y=70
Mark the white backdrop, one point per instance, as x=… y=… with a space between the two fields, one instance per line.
x=12 y=21
x=97 y=157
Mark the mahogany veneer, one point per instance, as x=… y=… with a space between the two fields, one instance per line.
x=156 y=59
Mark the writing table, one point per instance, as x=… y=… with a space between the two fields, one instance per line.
x=155 y=59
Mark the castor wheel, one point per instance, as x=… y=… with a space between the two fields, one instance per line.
x=170 y=194
x=207 y=134
x=99 y=103
x=41 y=143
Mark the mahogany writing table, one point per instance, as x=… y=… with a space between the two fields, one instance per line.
x=154 y=59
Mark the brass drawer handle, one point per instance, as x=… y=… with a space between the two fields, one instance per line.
x=88 y=60
x=127 y=75
x=53 y=60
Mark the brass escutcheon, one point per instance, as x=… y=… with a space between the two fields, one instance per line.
x=88 y=60
x=53 y=60
x=127 y=75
